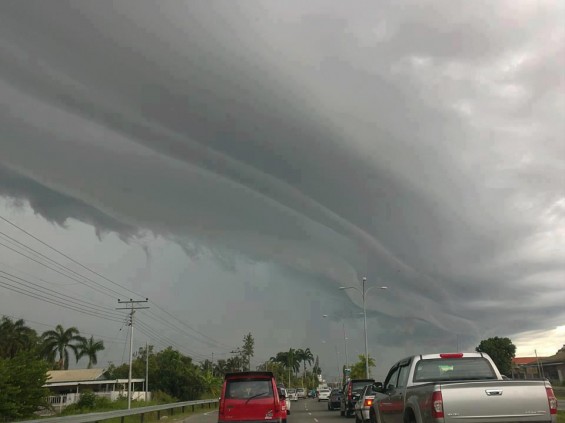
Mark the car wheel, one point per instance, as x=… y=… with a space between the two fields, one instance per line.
x=341 y=412
x=357 y=419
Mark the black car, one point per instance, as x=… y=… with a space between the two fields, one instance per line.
x=335 y=399
x=351 y=390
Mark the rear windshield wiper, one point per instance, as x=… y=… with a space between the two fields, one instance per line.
x=255 y=396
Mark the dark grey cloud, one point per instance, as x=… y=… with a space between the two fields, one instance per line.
x=420 y=145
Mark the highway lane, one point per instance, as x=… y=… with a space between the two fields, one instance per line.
x=301 y=411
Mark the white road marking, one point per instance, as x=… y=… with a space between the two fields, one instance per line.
x=309 y=414
x=315 y=419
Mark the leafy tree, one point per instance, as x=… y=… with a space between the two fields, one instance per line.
x=235 y=364
x=178 y=376
x=248 y=349
x=221 y=367
x=358 y=369
x=15 y=337
x=90 y=348
x=21 y=385
x=501 y=350
x=58 y=342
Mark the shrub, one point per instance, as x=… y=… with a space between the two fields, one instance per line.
x=163 y=398
x=87 y=400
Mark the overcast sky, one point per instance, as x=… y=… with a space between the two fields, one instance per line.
x=237 y=162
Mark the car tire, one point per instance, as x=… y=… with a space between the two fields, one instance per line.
x=341 y=412
x=357 y=420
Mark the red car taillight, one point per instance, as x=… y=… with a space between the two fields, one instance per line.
x=368 y=402
x=552 y=400
x=437 y=405
x=221 y=407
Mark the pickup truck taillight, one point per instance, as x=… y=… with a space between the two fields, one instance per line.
x=437 y=405
x=368 y=402
x=552 y=400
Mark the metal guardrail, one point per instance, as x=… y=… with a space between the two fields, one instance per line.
x=141 y=411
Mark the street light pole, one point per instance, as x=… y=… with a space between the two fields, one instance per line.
x=365 y=328
x=363 y=295
x=345 y=345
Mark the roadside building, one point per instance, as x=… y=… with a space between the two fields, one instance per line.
x=65 y=386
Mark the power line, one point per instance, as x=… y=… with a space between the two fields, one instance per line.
x=32 y=294
x=66 y=256
x=205 y=337
x=47 y=291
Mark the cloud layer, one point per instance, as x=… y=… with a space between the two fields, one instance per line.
x=420 y=145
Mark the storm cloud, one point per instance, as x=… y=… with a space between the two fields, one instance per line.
x=420 y=144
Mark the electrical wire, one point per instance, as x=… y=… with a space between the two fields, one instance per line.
x=206 y=339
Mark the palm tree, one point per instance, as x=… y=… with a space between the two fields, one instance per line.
x=15 y=337
x=90 y=348
x=305 y=356
x=58 y=342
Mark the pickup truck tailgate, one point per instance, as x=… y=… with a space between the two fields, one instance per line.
x=500 y=401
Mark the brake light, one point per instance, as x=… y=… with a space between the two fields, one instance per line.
x=368 y=402
x=349 y=392
x=552 y=400
x=437 y=405
x=452 y=355
x=221 y=406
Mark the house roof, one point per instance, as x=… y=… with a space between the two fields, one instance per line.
x=75 y=375
x=523 y=360
x=557 y=358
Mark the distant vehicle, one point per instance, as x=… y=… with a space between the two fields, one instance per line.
x=250 y=396
x=335 y=399
x=301 y=392
x=312 y=393
x=284 y=395
x=324 y=394
x=292 y=395
x=459 y=387
x=351 y=389
x=363 y=403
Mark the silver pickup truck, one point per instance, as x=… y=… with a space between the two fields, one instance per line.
x=459 y=387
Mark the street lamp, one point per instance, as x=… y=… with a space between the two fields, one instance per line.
x=363 y=295
x=344 y=343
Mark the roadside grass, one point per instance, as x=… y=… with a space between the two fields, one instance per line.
x=561 y=417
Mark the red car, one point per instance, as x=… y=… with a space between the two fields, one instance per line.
x=251 y=396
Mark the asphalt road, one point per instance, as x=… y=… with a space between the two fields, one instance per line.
x=301 y=411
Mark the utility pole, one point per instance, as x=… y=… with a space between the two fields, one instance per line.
x=146 y=372
x=132 y=308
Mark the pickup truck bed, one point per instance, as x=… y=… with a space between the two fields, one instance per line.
x=499 y=400
x=462 y=388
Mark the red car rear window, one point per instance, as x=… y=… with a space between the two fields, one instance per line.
x=247 y=388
